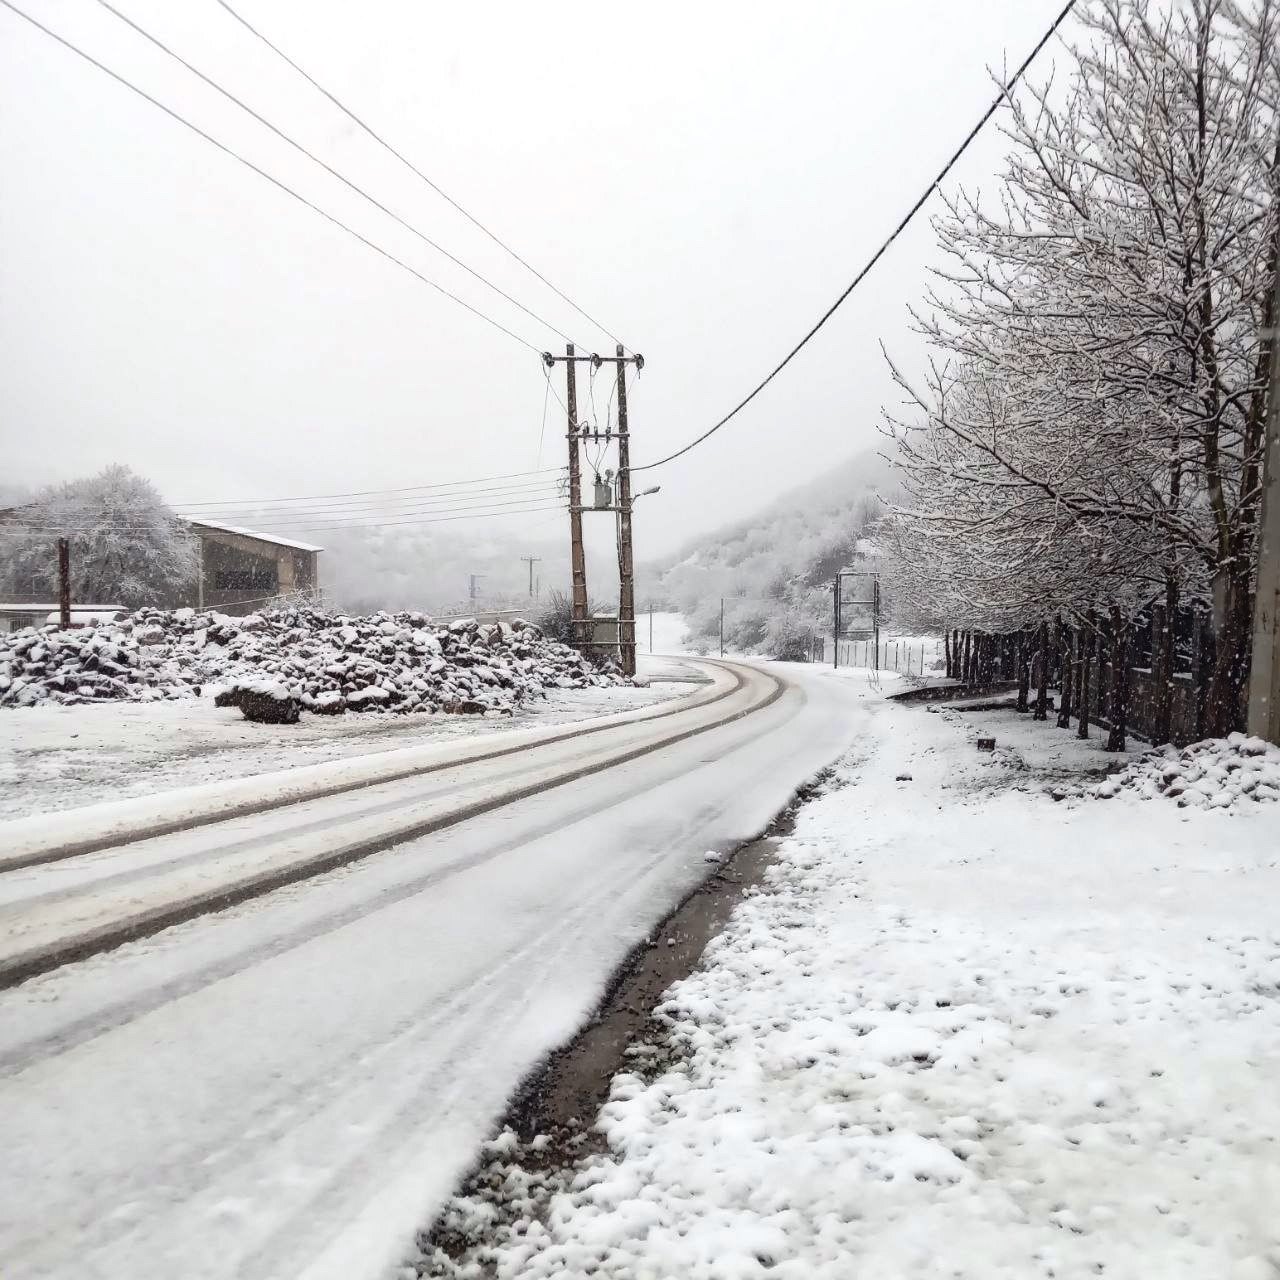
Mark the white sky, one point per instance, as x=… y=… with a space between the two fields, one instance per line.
x=704 y=178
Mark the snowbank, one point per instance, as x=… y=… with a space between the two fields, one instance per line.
x=1219 y=773
x=304 y=658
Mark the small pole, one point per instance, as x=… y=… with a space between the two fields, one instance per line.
x=722 y=626
x=835 y=638
x=64 y=582
x=531 y=561
x=650 y=626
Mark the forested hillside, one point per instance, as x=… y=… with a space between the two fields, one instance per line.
x=774 y=569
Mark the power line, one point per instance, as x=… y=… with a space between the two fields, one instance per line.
x=231 y=97
x=262 y=173
x=368 y=493
x=879 y=253
x=444 y=195
x=53 y=529
x=353 y=506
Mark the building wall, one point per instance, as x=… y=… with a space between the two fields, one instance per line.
x=240 y=574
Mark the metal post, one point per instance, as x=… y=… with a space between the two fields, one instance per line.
x=722 y=626
x=64 y=582
x=577 y=558
x=626 y=565
x=650 y=626
x=835 y=639
x=531 y=561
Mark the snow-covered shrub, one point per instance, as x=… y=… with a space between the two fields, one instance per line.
x=1218 y=773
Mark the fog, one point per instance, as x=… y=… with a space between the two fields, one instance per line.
x=702 y=179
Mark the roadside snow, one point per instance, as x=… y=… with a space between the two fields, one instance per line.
x=963 y=1031
x=59 y=757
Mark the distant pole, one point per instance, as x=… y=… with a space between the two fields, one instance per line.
x=650 y=626
x=531 y=561
x=835 y=622
x=722 y=626
x=474 y=583
x=64 y=582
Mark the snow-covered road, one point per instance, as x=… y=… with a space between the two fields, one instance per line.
x=289 y=1087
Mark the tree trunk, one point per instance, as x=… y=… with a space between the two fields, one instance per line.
x=1224 y=698
x=1020 y=659
x=968 y=645
x=1042 y=675
x=1162 y=666
x=1084 y=647
x=1064 y=700
x=1118 y=692
x=946 y=641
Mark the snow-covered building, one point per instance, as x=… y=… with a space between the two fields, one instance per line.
x=239 y=570
x=242 y=569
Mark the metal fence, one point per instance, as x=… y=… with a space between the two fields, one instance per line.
x=908 y=657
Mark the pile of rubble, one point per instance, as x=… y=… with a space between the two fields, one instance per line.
x=277 y=663
x=1219 y=773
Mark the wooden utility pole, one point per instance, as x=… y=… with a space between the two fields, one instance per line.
x=1264 y=671
x=531 y=561
x=64 y=582
x=577 y=557
x=626 y=563
x=622 y=506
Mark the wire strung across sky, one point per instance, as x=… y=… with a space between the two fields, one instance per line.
x=444 y=195
x=328 y=168
x=368 y=493
x=376 y=506
x=879 y=253
x=276 y=182
x=67 y=530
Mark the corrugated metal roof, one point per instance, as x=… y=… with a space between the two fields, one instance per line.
x=253 y=533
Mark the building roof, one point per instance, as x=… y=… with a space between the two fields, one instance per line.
x=253 y=533
x=43 y=606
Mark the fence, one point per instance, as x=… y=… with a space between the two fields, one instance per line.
x=910 y=657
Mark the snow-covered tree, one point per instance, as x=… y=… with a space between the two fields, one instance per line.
x=126 y=545
x=1090 y=427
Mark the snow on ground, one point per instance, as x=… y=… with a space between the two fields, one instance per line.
x=963 y=1031
x=668 y=634
x=1217 y=774
x=57 y=757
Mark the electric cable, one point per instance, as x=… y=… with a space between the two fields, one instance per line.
x=262 y=173
x=875 y=257
x=328 y=168
x=386 y=146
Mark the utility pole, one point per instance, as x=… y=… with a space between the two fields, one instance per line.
x=475 y=581
x=64 y=582
x=577 y=557
x=626 y=565
x=1264 y=670
x=622 y=506
x=650 y=626
x=835 y=637
x=531 y=561
x=722 y=626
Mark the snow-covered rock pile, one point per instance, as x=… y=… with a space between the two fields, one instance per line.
x=1218 y=773
x=327 y=663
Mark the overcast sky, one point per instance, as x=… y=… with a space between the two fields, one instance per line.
x=703 y=178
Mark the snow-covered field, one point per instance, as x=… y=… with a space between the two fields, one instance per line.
x=963 y=1031
x=55 y=757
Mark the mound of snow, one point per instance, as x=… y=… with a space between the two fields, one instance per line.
x=1218 y=773
x=328 y=663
